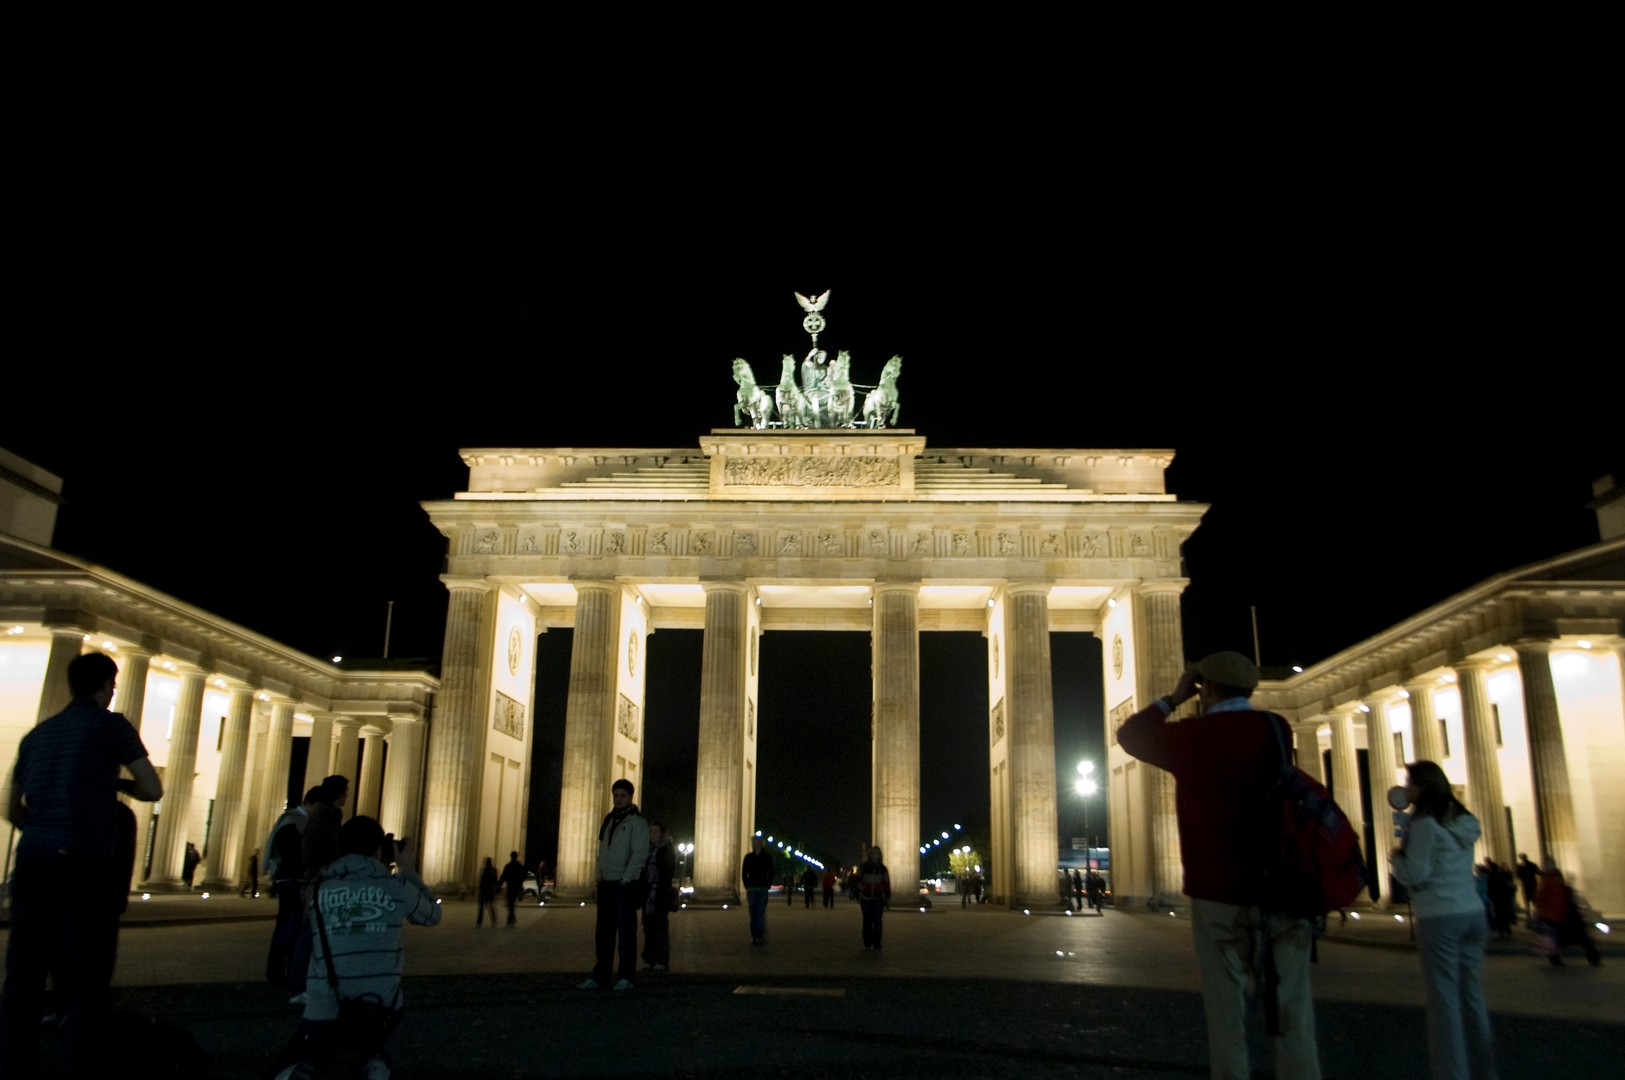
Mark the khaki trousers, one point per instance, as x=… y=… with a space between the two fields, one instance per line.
x=1225 y=936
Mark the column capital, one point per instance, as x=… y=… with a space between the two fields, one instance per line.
x=728 y=585
x=1022 y=588
x=340 y=720
x=1541 y=646
x=1474 y=663
x=1163 y=586
x=460 y=584
x=911 y=587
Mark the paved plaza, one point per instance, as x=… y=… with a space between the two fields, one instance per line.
x=978 y=992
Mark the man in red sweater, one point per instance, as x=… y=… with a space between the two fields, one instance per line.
x=1224 y=762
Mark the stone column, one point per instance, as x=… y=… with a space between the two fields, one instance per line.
x=369 y=784
x=895 y=663
x=403 y=780
x=67 y=642
x=347 y=757
x=130 y=701
x=1484 y=796
x=1548 y=761
x=719 y=795
x=256 y=823
x=277 y=761
x=1345 y=785
x=1379 y=742
x=456 y=742
x=589 y=727
x=1306 y=738
x=1426 y=745
x=1160 y=661
x=180 y=773
x=1031 y=728
x=319 y=765
x=225 y=864
x=130 y=694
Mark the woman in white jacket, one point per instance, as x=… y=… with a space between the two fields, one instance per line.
x=1436 y=863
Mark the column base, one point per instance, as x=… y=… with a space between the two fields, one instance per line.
x=712 y=897
x=164 y=886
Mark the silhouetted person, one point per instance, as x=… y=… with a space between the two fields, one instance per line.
x=809 y=882
x=513 y=880
x=487 y=890
x=756 y=872
x=66 y=890
x=285 y=867
x=660 y=873
x=189 y=863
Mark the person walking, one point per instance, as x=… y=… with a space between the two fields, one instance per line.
x=1560 y=920
x=1435 y=863
x=790 y=879
x=623 y=849
x=1077 y=890
x=251 y=887
x=64 y=891
x=1528 y=877
x=513 y=880
x=1503 y=896
x=829 y=886
x=874 y=894
x=661 y=874
x=487 y=895
x=756 y=870
x=1224 y=763
x=189 y=864
x=809 y=885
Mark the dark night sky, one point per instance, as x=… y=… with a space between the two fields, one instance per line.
x=248 y=400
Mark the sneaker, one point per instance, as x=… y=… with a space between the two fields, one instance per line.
x=590 y=984
x=375 y=1069
x=657 y=967
x=299 y=998
x=623 y=984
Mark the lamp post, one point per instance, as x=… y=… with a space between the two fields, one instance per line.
x=1086 y=788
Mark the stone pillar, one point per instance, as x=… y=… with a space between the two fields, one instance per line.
x=180 y=772
x=1306 y=740
x=67 y=642
x=347 y=757
x=277 y=761
x=369 y=784
x=255 y=822
x=130 y=693
x=225 y=864
x=1345 y=785
x=719 y=795
x=1426 y=745
x=457 y=740
x=1379 y=743
x=1160 y=661
x=1031 y=727
x=589 y=725
x=318 y=766
x=1484 y=796
x=401 y=807
x=1548 y=761
x=895 y=664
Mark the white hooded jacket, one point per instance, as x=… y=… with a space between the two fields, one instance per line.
x=1436 y=864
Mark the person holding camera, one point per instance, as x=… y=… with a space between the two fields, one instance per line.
x=1435 y=862
x=353 y=983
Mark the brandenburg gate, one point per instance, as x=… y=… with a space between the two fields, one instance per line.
x=767 y=528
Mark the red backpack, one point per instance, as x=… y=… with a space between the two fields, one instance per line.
x=1314 y=863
